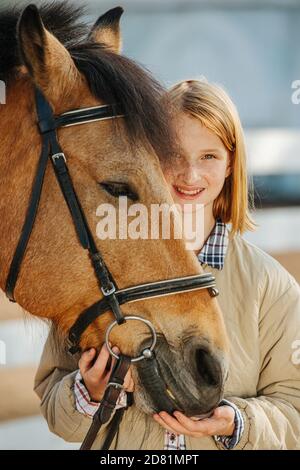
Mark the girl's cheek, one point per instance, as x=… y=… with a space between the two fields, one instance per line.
x=212 y=176
x=217 y=174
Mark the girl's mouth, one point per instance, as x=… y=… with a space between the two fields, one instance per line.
x=188 y=194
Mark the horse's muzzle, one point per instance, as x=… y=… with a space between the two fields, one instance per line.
x=189 y=378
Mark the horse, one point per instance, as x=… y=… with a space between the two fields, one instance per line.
x=51 y=50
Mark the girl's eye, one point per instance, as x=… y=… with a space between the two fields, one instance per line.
x=209 y=156
x=119 y=189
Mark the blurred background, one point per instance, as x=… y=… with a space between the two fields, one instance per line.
x=252 y=48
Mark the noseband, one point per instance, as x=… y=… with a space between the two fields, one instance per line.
x=113 y=297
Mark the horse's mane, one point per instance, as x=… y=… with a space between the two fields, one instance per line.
x=111 y=77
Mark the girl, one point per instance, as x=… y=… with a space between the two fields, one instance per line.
x=259 y=298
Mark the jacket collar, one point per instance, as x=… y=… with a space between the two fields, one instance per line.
x=214 y=250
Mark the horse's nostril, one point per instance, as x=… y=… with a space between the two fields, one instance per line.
x=208 y=367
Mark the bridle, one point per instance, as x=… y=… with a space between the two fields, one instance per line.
x=113 y=297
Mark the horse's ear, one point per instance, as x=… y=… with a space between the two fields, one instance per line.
x=46 y=59
x=106 y=30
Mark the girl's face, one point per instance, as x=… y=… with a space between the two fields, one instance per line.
x=197 y=174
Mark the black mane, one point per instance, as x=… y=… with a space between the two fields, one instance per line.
x=111 y=77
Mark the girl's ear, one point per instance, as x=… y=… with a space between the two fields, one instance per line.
x=106 y=30
x=46 y=59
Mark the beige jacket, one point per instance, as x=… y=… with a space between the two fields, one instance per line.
x=261 y=305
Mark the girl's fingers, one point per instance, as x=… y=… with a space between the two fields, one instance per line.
x=208 y=427
x=108 y=372
x=188 y=427
x=86 y=359
x=99 y=366
x=160 y=421
x=116 y=350
x=190 y=424
x=99 y=369
x=172 y=423
x=127 y=379
x=130 y=386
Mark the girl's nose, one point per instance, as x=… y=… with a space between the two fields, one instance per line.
x=191 y=175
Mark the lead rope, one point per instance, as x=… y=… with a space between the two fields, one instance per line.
x=115 y=422
x=108 y=404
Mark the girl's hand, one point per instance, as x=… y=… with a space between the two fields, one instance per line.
x=221 y=423
x=95 y=373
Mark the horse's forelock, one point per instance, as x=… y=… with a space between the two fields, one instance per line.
x=114 y=78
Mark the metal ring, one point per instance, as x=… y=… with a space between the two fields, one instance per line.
x=147 y=322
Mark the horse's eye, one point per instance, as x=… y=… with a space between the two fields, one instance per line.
x=116 y=189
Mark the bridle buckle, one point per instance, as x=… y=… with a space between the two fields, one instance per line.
x=107 y=292
x=57 y=156
x=115 y=385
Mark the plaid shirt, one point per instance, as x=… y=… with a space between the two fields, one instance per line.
x=212 y=254
x=214 y=249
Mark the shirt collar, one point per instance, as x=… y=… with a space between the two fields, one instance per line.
x=214 y=250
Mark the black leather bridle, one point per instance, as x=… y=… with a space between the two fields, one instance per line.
x=113 y=297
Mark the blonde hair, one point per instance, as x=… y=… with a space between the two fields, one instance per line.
x=210 y=104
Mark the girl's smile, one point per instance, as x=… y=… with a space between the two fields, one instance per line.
x=188 y=193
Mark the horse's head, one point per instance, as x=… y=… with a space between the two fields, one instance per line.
x=106 y=160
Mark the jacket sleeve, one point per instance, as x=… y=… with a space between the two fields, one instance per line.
x=54 y=385
x=272 y=418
